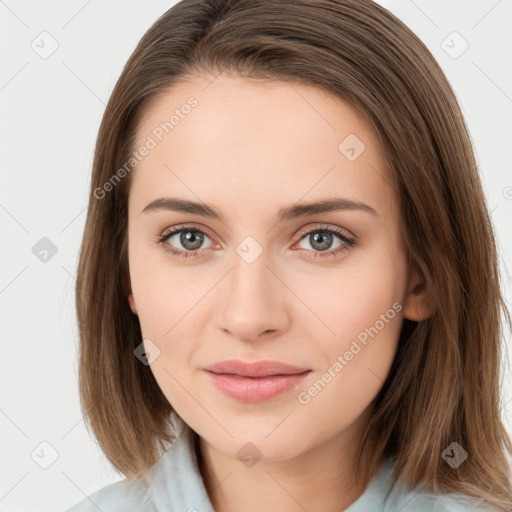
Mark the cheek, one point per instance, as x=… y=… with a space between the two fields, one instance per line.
x=362 y=306
x=170 y=305
x=165 y=294
x=357 y=362
x=348 y=300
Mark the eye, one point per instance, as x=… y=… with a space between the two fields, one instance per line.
x=189 y=237
x=321 y=238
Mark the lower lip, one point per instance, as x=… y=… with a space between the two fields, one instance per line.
x=258 y=389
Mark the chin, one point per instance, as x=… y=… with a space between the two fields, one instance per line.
x=260 y=446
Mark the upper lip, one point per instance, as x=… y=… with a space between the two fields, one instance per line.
x=256 y=369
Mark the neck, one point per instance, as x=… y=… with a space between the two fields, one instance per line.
x=292 y=485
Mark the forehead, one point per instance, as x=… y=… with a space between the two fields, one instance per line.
x=218 y=137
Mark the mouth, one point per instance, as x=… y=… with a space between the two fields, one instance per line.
x=254 y=369
x=255 y=382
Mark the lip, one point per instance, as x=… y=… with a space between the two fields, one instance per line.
x=257 y=369
x=255 y=382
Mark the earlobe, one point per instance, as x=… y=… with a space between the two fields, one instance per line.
x=128 y=290
x=132 y=303
x=417 y=304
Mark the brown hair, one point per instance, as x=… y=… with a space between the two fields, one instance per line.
x=444 y=382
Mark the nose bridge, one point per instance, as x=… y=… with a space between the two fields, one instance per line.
x=253 y=301
x=250 y=277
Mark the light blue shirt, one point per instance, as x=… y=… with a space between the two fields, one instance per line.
x=174 y=484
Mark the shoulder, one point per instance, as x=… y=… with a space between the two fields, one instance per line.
x=172 y=483
x=443 y=503
x=117 y=497
x=387 y=493
x=418 y=501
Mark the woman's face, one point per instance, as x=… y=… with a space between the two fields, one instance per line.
x=258 y=285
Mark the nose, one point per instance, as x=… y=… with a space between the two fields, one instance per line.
x=254 y=300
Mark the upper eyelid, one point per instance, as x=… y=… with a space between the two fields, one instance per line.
x=334 y=229
x=182 y=227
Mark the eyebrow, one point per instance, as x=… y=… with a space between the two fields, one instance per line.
x=288 y=213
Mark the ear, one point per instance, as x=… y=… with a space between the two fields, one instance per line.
x=417 y=304
x=127 y=286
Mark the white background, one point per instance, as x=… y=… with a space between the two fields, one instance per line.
x=50 y=111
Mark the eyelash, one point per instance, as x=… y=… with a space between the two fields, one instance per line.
x=349 y=242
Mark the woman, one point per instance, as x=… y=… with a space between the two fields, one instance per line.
x=288 y=292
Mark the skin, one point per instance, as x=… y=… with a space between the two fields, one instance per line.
x=250 y=148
